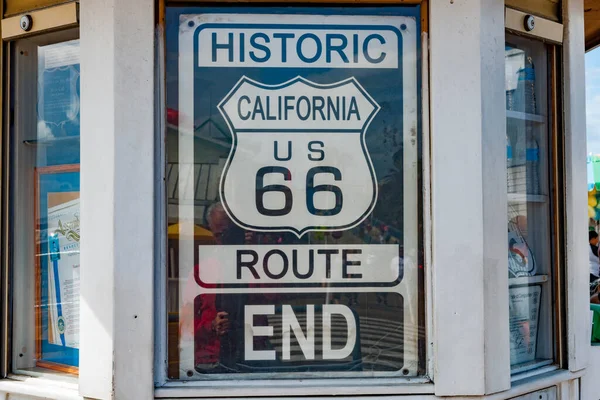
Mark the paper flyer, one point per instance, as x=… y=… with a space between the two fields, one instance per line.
x=63 y=269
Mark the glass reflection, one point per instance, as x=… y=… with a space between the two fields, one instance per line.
x=260 y=279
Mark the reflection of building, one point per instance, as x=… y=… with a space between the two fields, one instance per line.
x=593 y=177
x=205 y=173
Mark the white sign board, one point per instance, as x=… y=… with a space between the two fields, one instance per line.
x=314 y=253
x=301 y=182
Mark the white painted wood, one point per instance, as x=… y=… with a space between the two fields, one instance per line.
x=457 y=212
x=470 y=282
x=412 y=392
x=97 y=195
x=245 y=397
x=577 y=297
x=495 y=260
x=23 y=387
x=23 y=275
x=544 y=394
x=117 y=198
x=589 y=382
x=282 y=388
x=427 y=229
x=542 y=382
x=162 y=285
x=571 y=390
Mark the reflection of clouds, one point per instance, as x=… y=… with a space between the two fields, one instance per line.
x=44 y=131
x=592 y=86
x=72 y=112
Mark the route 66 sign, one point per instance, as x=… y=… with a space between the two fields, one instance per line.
x=295 y=121
x=299 y=160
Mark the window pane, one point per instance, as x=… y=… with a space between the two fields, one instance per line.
x=530 y=245
x=45 y=205
x=293 y=174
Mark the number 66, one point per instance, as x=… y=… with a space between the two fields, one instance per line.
x=311 y=189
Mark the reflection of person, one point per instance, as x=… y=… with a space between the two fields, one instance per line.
x=593 y=256
x=210 y=324
x=595 y=292
x=217 y=317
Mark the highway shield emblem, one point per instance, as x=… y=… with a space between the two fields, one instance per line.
x=299 y=160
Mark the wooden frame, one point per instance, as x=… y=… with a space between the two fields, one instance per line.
x=544 y=28
x=294 y=2
x=550 y=9
x=558 y=198
x=38 y=282
x=592 y=24
x=163 y=4
x=15 y=7
x=4 y=213
x=50 y=19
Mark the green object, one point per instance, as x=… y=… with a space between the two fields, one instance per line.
x=596 y=169
x=595 y=323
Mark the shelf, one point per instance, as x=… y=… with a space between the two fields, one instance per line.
x=525 y=117
x=50 y=142
x=535 y=364
x=529 y=198
x=527 y=280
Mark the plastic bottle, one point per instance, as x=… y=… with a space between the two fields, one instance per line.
x=523 y=98
x=533 y=163
x=519 y=92
x=529 y=87
x=510 y=100
x=509 y=160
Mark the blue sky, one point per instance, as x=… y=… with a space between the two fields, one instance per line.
x=592 y=93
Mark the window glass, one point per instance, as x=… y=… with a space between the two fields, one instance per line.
x=531 y=247
x=592 y=60
x=45 y=205
x=293 y=186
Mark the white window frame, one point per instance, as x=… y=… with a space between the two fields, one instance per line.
x=23 y=259
x=117 y=199
x=304 y=387
x=577 y=289
x=469 y=263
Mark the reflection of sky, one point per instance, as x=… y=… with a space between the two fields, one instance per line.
x=592 y=91
x=384 y=134
x=58 y=102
